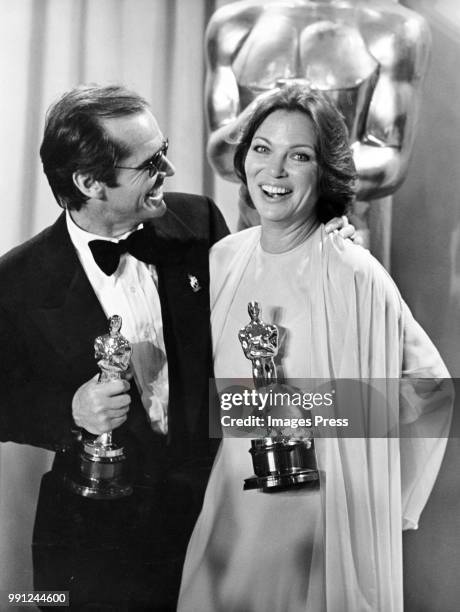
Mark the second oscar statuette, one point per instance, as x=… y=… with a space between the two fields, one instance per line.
x=279 y=462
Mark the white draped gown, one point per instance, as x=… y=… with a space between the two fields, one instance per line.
x=339 y=548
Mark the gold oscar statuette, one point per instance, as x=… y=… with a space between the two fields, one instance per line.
x=280 y=462
x=100 y=471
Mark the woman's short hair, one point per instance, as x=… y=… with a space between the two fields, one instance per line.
x=336 y=169
x=75 y=138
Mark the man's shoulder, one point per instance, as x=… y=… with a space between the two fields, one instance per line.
x=20 y=254
x=25 y=259
x=197 y=215
x=180 y=199
x=188 y=206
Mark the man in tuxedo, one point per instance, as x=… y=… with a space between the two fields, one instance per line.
x=106 y=161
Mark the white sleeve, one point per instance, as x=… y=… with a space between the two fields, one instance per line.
x=426 y=398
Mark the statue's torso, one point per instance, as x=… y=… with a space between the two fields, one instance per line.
x=339 y=48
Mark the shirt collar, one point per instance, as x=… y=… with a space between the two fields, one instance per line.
x=80 y=237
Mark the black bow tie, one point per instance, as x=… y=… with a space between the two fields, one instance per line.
x=107 y=254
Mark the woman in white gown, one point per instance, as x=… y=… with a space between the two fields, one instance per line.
x=337 y=548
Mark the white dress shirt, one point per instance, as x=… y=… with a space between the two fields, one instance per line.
x=132 y=293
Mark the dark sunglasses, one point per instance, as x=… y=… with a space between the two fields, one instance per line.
x=154 y=164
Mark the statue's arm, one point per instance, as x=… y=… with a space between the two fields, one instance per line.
x=274 y=335
x=225 y=34
x=400 y=41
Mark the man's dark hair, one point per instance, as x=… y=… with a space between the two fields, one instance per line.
x=75 y=138
x=336 y=169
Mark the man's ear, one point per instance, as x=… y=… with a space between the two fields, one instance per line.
x=88 y=185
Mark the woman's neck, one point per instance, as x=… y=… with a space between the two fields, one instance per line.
x=277 y=238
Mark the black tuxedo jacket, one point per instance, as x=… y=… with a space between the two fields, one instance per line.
x=50 y=316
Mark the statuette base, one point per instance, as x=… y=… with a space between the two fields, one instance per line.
x=100 y=473
x=282 y=463
x=282 y=482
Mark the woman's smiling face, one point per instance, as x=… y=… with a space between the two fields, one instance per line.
x=282 y=170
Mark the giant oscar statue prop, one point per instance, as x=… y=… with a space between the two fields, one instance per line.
x=279 y=461
x=369 y=57
x=100 y=472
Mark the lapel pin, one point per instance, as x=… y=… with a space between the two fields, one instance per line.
x=194 y=283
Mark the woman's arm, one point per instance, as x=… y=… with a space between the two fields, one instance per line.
x=426 y=399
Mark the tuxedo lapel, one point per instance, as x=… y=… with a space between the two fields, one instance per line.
x=66 y=308
x=184 y=296
x=186 y=331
